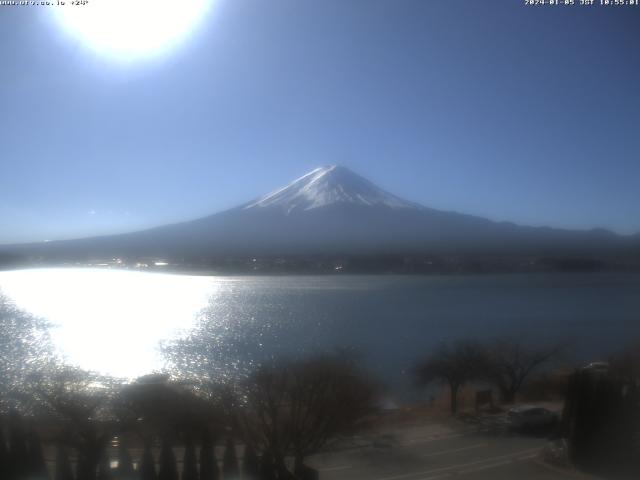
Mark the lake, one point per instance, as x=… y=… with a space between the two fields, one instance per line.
x=113 y=320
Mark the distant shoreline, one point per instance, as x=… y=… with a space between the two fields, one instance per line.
x=348 y=265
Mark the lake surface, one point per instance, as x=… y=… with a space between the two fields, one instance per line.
x=113 y=320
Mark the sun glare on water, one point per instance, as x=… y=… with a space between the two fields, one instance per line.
x=110 y=321
x=130 y=29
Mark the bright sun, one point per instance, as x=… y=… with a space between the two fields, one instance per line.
x=129 y=29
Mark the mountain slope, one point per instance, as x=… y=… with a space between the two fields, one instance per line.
x=332 y=210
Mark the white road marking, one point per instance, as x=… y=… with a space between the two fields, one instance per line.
x=433 y=438
x=484 y=467
x=437 y=477
x=454 y=450
x=457 y=467
x=439 y=436
x=333 y=469
x=527 y=457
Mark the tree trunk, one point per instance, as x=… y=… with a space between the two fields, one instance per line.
x=87 y=465
x=281 y=467
x=298 y=465
x=267 y=466
x=454 y=397
x=507 y=395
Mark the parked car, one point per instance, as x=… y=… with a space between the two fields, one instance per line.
x=531 y=416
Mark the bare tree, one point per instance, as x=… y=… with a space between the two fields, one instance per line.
x=299 y=407
x=208 y=462
x=63 y=465
x=5 y=469
x=329 y=398
x=168 y=469
x=279 y=408
x=261 y=413
x=250 y=463
x=18 y=448
x=230 y=465
x=147 y=464
x=125 y=469
x=454 y=364
x=37 y=464
x=162 y=406
x=510 y=361
x=81 y=403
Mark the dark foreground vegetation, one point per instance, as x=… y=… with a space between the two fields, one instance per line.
x=203 y=419
x=601 y=417
x=599 y=428
x=156 y=428
x=504 y=364
x=62 y=423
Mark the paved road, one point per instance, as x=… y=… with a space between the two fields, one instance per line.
x=439 y=452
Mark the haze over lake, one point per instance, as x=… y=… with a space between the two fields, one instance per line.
x=113 y=320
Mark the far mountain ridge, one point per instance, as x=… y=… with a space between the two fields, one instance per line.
x=334 y=211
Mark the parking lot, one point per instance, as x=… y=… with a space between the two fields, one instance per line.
x=439 y=450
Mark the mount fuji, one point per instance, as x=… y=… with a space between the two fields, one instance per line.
x=334 y=211
x=325 y=186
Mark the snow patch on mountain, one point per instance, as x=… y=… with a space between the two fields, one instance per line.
x=329 y=185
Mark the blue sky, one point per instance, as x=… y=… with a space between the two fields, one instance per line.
x=492 y=108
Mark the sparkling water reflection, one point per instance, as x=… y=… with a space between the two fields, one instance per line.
x=112 y=321
x=109 y=320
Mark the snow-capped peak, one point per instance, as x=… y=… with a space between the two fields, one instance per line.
x=326 y=186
